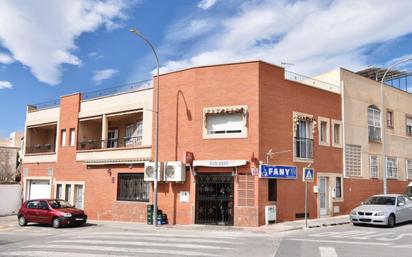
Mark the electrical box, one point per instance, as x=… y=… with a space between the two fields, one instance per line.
x=149 y=171
x=270 y=214
x=174 y=171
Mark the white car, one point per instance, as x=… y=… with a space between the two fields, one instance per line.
x=387 y=210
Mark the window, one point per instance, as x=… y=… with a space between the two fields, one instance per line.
x=303 y=139
x=32 y=204
x=68 y=194
x=225 y=122
x=373 y=166
x=374 y=124
x=72 y=137
x=132 y=187
x=78 y=196
x=353 y=160
x=338 y=187
x=337 y=133
x=246 y=190
x=324 y=131
x=134 y=134
x=391 y=167
x=409 y=169
x=59 y=192
x=409 y=125
x=63 y=137
x=272 y=190
x=389 y=118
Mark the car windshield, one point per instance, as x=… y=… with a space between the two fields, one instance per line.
x=59 y=204
x=380 y=200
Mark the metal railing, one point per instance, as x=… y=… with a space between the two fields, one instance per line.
x=311 y=81
x=303 y=147
x=46 y=148
x=129 y=87
x=374 y=134
x=43 y=105
x=403 y=82
x=127 y=142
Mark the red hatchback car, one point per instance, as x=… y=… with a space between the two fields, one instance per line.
x=50 y=211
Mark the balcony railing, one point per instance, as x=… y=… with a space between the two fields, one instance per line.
x=125 y=88
x=303 y=147
x=110 y=143
x=374 y=134
x=47 y=148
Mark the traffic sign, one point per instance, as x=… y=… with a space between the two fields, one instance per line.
x=308 y=174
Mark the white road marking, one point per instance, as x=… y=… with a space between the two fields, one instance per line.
x=155 y=237
x=69 y=247
x=395 y=238
x=402 y=246
x=175 y=245
x=327 y=252
x=163 y=235
x=57 y=254
x=338 y=241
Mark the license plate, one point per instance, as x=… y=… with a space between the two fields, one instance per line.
x=79 y=218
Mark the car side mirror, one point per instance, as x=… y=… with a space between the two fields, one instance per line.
x=401 y=204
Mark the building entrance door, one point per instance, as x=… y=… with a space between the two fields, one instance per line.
x=323 y=196
x=214 y=199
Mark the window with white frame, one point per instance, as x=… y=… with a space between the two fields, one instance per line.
x=409 y=125
x=63 y=137
x=391 y=167
x=409 y=169
x=72 y=137
x=225 y=122
x=338 y=187
x=353 y=160
x=373 y=164
x=323 y=131
x=133 y=133
x=64 y=190
x=374 y=123
x=337 y=133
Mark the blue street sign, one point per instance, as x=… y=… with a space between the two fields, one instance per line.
x=280 y=172
x=308 y=174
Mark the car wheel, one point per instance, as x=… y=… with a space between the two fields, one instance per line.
x=391 y=221
x=22 y=221
x=56 y=223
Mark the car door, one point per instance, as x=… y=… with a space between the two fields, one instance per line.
x=31 y=208
x=408 y=208
x=42 y=212
x=402 y=210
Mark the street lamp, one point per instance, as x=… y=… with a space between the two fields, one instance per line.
x=385 y=184
x=156 y=111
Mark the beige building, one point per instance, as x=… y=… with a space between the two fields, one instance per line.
x=365 y=126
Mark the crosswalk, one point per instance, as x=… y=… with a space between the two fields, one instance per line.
x=135 y=243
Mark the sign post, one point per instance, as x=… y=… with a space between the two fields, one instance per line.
x=308 y=176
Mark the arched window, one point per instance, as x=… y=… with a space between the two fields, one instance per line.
x=374 y=123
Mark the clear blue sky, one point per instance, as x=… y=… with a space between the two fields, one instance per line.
x=50 y=48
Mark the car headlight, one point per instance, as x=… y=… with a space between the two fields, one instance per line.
x=380 y=213
x=67 y=215
x=353 y=213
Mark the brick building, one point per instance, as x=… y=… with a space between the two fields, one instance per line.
x=91 y=149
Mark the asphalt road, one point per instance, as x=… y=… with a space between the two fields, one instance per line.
x=124 y=239
x=348 y=241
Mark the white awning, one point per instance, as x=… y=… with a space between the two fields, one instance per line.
x=230 y=109
x=219 y=163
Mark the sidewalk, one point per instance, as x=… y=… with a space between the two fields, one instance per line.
x=300 y=224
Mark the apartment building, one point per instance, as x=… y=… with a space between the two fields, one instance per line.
x=90 y=149
x=234 y=119
x=365 y=123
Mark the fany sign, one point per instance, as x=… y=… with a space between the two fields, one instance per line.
x=278 y=172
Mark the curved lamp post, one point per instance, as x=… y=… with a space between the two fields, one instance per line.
x=385 y=175
x=156 y=146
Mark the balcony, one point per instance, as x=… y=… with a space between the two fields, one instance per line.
x=303 y=147
x=374 y=134
x=110 y=138
x=41 y=139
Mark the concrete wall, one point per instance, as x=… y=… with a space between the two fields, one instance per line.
x=10 y=200
x=42 y=116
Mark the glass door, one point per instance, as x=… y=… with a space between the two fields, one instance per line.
x=323 y=196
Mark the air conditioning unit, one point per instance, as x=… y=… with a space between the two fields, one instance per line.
x=149 y=171
x=175 y=171
x=270 y=214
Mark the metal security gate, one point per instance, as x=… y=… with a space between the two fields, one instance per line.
x=214 y=199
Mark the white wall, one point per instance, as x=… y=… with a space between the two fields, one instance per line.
x=10 y=200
